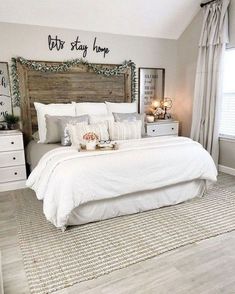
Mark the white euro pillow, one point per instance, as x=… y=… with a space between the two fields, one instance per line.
x=51 y=109
x=121 y=107
x=90 y=108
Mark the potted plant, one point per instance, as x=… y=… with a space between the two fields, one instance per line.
x=12 y=121
x=90 y=140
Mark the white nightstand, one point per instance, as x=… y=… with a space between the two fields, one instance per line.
x=12 y=161
x=162 y=128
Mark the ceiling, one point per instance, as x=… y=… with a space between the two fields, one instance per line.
x=150 y=18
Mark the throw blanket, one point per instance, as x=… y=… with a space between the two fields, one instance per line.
x=65 y=178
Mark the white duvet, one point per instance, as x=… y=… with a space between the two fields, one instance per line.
x=65 y=178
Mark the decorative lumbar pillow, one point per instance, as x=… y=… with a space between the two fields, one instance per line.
x=121 y=107
x=125 y=117
x=77 y=132
x=51 y=109
x=90 y=108
x=64 y=131
x=125 y=130
x=56 y=127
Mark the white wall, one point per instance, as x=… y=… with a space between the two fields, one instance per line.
x=30 y=42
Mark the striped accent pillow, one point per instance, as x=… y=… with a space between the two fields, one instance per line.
x=77 y=132
x=125 y=130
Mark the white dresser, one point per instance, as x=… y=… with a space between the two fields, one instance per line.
x=162 y=128
x=12 y=161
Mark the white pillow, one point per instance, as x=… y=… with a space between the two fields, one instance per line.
x=90 y=108
x=125 y=130
x=93 y=119
x=51 y=109
x=77 y=132
x=121 y=107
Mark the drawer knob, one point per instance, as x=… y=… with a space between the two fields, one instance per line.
x=12 y=142
x=172 y=128
x=15 y=173
x=154 y=130
x=14 y=158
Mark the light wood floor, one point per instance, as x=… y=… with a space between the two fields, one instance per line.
x=207 y=267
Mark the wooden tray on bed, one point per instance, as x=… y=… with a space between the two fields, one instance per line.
x=98 y=148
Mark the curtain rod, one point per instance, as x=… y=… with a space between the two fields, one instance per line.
x=206 y=3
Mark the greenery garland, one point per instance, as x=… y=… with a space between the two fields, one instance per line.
x=67 y=65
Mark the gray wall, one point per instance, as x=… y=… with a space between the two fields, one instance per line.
x=30 y=42
x=187 y=61
x=179 y=58
x=186 y=69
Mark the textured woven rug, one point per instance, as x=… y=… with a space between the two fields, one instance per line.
x=54 y=260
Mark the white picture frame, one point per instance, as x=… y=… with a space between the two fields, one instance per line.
x=151 y=87
x=5 y=91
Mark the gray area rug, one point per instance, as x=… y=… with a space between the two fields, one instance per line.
x=54 y=260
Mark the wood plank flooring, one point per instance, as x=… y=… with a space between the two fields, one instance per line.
x=207 y=267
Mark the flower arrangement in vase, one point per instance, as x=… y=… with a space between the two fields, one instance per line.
x=90 y=140
x=159 y=113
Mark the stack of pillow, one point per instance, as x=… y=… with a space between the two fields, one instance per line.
x=67 y=123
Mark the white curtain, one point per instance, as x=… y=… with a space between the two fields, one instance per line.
x=208 y=83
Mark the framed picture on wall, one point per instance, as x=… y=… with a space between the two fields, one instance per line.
x=151 y=88
x=5 y=91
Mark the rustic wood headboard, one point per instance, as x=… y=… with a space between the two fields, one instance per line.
x=79 y=84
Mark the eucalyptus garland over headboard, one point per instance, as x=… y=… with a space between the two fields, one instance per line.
x=66 y=66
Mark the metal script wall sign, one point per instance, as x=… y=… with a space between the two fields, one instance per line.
x=55 y=43
x=5 y=92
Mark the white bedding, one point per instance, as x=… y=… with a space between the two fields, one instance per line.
x=135 y=202
x=65 y=179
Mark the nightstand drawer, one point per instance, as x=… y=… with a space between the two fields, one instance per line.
x=162 y=129
x=12 y=158
x=8 y=143
x=10 y=174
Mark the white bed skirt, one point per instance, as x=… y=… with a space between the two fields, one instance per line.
x=136 y=202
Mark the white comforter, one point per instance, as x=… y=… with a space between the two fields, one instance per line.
x=65 y=178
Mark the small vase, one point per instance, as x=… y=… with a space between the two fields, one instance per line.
x=91 y=145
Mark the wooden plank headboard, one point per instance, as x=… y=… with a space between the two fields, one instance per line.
x=79 y=84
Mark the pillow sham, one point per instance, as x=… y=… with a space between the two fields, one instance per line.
x=56 y=127
x=125 y=117
x=64 y=131
x=93 y=119
x=77 y=132
x=91 y=108
x=51 y=109
x=125 y=130
x=121 y=107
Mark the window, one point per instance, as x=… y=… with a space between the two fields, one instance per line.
x=227 y=125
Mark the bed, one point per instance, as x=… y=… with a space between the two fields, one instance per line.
x=79 y=187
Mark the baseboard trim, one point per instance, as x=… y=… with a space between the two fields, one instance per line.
x=9 y=186
x=227 y=170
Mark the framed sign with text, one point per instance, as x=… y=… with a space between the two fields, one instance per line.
x=151 y=87
x=5 y=91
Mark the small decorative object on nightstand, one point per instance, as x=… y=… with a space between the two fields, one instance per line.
x=162 y=128
x=12 y=161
